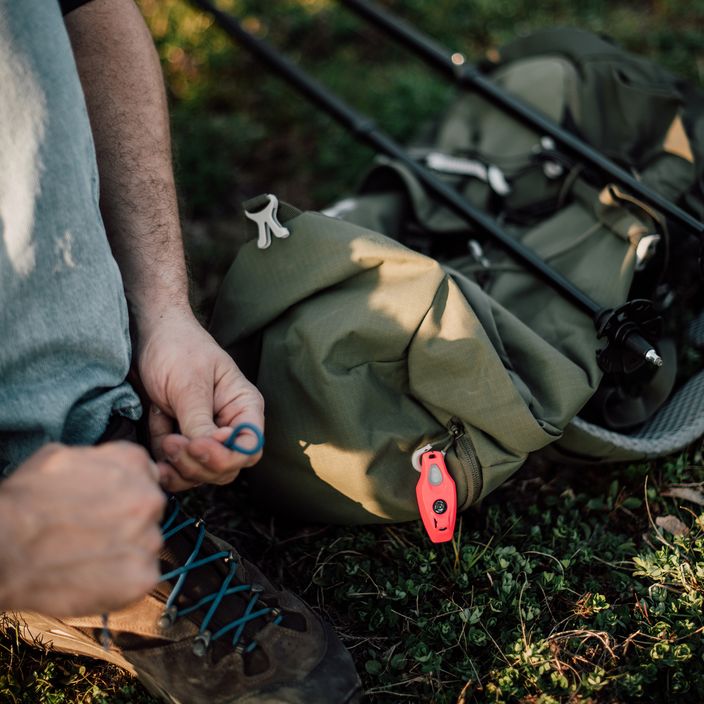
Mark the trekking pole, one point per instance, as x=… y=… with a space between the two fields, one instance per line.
x=454 y=66
x=624 y=327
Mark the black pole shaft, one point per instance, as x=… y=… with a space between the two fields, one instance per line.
x=367 y=131
x=455 y=67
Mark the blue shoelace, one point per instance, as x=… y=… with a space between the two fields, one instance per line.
x=205 y=637
x=171 y=612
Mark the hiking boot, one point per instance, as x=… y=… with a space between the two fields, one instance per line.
x=214 y=631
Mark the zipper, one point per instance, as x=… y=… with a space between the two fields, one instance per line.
x=464 y=451
x=467 y=456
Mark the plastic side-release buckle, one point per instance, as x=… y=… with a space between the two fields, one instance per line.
x=437 y=497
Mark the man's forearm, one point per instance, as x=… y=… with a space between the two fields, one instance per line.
x=195 y=389
x=123 y=85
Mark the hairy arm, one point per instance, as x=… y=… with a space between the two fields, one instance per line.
x=197 y=392
x=122 y=82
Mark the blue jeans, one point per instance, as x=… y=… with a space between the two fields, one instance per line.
x=64 y=337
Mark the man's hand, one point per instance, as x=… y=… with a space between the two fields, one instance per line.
x=192 y=382
x=80 y=530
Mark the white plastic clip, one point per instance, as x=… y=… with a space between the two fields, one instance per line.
x=647 y=246
x=268 y=223
x=488 y=173
x=415 y=457
x=475 y=249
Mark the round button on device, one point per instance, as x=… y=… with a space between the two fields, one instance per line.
x=440 y=506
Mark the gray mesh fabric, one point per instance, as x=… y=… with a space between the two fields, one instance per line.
x=675 y=426
x=695 y=332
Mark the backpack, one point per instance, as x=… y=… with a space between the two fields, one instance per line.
x=385 y=327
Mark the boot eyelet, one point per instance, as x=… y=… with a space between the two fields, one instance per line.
x=168 y=618
x=201 y=643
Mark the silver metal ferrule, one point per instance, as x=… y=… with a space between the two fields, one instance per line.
x=653 y=358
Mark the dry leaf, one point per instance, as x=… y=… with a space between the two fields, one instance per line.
x=672 y=524
x=685 y=493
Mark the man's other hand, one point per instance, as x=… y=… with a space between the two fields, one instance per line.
x=80 y=530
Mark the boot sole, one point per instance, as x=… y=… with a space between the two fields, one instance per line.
x=46 y=632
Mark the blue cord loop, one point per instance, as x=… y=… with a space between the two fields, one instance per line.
x=205 y=637
x=232 y=445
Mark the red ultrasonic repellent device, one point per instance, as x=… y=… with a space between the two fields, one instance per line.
x=437 y=497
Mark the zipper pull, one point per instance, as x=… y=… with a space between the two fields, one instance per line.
x=436 y=494
x=456 y=431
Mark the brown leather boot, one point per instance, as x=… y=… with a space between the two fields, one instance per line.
x=215 y=631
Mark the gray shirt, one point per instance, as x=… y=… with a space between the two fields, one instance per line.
x=64 y=338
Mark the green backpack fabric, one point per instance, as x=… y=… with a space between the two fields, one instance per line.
x=366 y=350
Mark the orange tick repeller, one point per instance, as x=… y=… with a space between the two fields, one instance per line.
x=437 y=497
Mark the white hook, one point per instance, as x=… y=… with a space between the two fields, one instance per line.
x=268 y=223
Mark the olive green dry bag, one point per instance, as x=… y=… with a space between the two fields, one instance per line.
x=367 y=350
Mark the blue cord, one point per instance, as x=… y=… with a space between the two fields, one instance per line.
x=216 y=598
x=232 y=445
x=191 y=563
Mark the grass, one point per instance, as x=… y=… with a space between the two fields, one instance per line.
x=565 y=585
